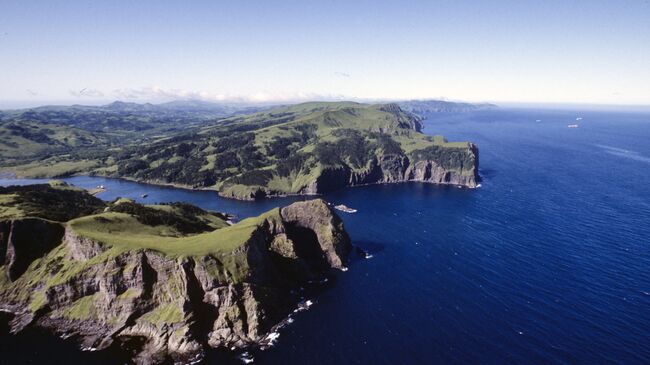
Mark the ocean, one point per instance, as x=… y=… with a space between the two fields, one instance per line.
x=547 y=262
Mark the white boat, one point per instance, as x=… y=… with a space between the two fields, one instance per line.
x=579 y=118
x=572 y=126
x=344 y=208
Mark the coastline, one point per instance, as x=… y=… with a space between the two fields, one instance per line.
x=265 y=196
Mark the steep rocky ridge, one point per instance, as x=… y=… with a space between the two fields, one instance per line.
x=161 y=303
x=399 y=168
x=359 y=145
x=461 y=169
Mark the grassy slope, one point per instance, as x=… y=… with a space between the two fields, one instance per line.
x=361 y=117
x=121 y=233
x=328 y=118
x=159 y=227
x=211 y=219
x=55 y=201
x=9 y=208
x=31 y=149
x=38 y=142
x=127 y=231
x=55 y=167
x=24 y=140
x=124 y=232
x=240 y=154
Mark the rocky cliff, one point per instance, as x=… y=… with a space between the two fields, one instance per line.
x=446 y=166
x=401 y=168
x=160 y=305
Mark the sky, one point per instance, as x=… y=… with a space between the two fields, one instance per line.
x=90 y=52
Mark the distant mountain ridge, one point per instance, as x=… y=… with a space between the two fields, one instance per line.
x=423 y=107
x=78 y=115
x=119 y=105
x=198 y=105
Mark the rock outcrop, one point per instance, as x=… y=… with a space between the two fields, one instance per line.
x=401 y=168
x=166 y=307
x=24 y=240
x=461 y=171
x=458 y=167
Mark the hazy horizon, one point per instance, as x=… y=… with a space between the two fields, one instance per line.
x=583 y=52
x=507 y=105
x=503 y=105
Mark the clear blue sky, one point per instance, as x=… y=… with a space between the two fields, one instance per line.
x=521 y=51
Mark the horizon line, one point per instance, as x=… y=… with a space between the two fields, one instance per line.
x=29 y=104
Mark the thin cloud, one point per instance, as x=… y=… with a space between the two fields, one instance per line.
x=157 y=94
x=87 y=93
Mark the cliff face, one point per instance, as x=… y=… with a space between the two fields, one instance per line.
x=401 y=168
x=24 y=240
x=166 y=307
x=446 y=166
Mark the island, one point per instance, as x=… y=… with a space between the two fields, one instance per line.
x=303 y=149
x=168 y=281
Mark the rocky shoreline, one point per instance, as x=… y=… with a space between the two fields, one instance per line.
x=389 y=169
x=166 y=308
x=422 y=171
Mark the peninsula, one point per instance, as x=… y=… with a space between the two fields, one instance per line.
x=165 y=281
x=303 y=149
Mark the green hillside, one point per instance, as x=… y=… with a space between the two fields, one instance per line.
x=26 y=140
x=286 y=150
x=307 y=148
x=63 y=134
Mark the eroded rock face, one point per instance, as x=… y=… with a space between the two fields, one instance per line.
x=169 y=307
x=26 y=240
x=436 y=164
x=317 y=218
x=399 y=168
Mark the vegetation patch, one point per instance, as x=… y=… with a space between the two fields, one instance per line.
x=57 y=202
x=125 y=232
x=184 y=218
x=167 y=313
x=82 y=309
x=129 y=294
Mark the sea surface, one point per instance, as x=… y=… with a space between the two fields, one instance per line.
x=547 y=262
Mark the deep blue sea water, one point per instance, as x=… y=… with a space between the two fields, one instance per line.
x=547 y=262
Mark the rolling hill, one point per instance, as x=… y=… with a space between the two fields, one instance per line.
x=307 y=148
